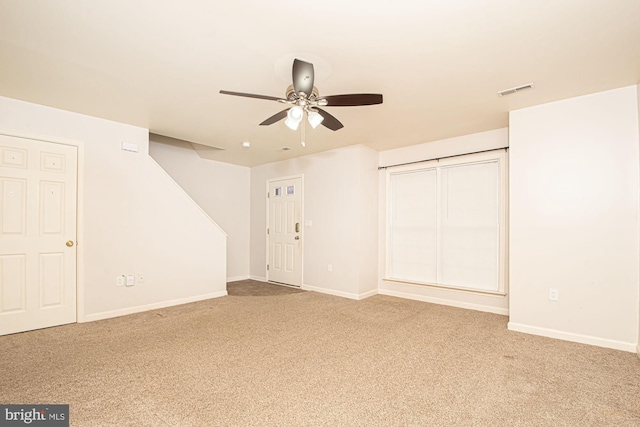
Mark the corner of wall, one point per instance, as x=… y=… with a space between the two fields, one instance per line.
x=638 y=96
x=343 y=233
x=228 y=205
x=368 y=222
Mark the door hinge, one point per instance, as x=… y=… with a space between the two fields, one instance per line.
x=268 y=195
x=267 y=267
x=267 y=231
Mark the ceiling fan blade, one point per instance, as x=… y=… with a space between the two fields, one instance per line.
x=252 y=95
x=353 y=99
x=275 y=118
x=330 y=121
x=302 y=76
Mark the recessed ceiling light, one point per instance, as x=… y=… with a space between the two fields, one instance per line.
x=246 y=144
x=515 y=89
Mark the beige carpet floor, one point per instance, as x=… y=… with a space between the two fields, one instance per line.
x=308 y=359
x=253 y=288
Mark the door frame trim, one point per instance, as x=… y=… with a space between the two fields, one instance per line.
x=80 y=315
x=266 y=198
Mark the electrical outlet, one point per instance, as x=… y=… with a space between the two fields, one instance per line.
x=131 y=280
x=553 y=294
x=140 y=278
x=120 y=280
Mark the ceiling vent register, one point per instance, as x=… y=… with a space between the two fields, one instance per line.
x=515 y=89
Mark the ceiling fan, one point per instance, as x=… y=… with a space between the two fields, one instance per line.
x=304 y=99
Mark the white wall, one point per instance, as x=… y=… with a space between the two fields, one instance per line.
x=340 y=201
x=368 y=222
x=574 y=219
x=447 y=147
x=220 y=189
x=133 y=218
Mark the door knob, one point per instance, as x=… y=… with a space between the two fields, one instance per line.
x=69 y=243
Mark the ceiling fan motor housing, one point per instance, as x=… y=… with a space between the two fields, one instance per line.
x=291 y=94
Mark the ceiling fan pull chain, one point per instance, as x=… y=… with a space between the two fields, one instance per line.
x=302 y=137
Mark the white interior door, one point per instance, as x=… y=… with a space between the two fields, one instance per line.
x=285 y=231
x=38 y=184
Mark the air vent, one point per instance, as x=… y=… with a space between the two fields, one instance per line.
x=515 y=89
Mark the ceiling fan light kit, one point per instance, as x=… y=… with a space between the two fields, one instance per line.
x=314 y=118
x=294 y=117
x=304 y=99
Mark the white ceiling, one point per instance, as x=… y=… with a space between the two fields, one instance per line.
x=160 y=64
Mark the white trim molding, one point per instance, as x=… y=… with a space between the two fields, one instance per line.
x=147 y=307
x=441 y=301
x=238 y=278
x=568 y=336
x=349 y=295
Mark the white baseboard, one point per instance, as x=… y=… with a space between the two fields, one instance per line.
x=339 y=293
x=154 y=306
x=568 y=336
x=467 y=305
x=368 y=294
x=258 y=278
x=237 y=278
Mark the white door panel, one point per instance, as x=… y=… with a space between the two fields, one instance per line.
x=285 y=231
x=38 y=193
